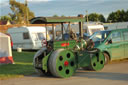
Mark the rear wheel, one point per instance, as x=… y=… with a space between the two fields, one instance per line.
x=62 y=63
x=97 y=61
x=107 y=58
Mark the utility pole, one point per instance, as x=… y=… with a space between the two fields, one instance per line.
x=87 y=16
x=26 y=17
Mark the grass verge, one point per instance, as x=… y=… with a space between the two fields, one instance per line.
x=23 y=66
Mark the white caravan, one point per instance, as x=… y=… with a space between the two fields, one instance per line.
x=89 y=28
x=28 y=37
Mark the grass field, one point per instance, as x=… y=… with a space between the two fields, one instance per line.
x=23 y=66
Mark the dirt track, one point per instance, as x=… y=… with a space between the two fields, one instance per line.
x=113 y=74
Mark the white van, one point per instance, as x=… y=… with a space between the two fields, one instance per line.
x=28 y=37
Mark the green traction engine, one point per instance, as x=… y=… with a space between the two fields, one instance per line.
x=62 y=57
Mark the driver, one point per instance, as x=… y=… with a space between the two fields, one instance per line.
x=90 y=44
x=73 y=35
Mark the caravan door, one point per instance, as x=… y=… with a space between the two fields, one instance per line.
x=39 y=40
x=42 y=38
x=36 y=42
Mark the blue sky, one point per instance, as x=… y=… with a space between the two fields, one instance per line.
x=68 y=7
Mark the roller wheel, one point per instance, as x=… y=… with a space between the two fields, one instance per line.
x=106 y=58
x=62 y=63
x=97 y=61
x=39 y=70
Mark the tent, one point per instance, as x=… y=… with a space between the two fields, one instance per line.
x=5 y=49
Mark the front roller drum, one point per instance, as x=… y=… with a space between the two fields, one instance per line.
x=97 y=61
x=62 y=63
x=38 y=56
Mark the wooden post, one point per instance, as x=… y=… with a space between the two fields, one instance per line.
x=81 y=29
x=53 y=32
x=46 y=31
x=87 y=16
x=62 y=30
x=69 y=25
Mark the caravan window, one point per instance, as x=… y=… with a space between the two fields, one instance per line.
x=26 y=35
x=95 y=30
x=41 y=36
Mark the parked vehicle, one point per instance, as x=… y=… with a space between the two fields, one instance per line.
x=61 y=58
x=28 y=38
x=113 y=43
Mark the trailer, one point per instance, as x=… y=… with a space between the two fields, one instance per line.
x=89 y=28
x=61 y=58
x=28 y=37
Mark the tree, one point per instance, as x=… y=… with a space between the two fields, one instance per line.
x=55 y=15
x=96 y=17
x=63 y=16
x=122 y=15
x=126 y=18
x=101 y=18
x=19 y=12
x=111 y=17
x=118 y=16
x=5 y=18
x=93 y=17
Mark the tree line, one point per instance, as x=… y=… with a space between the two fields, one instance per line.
x=118 y=16
x=21 y=14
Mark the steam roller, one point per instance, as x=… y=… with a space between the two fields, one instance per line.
x=63 y=63
x=62 y=56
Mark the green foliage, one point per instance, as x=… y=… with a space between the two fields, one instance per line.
x=19 y=12
x=101 y=18
x=5 y=18
x=126 y=16
x=93 y=17
x=96 y=17
x=118 y=16
x=63 y=16
x=55 y=15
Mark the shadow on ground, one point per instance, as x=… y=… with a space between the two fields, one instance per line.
x=103 y=75
x=92 y=75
